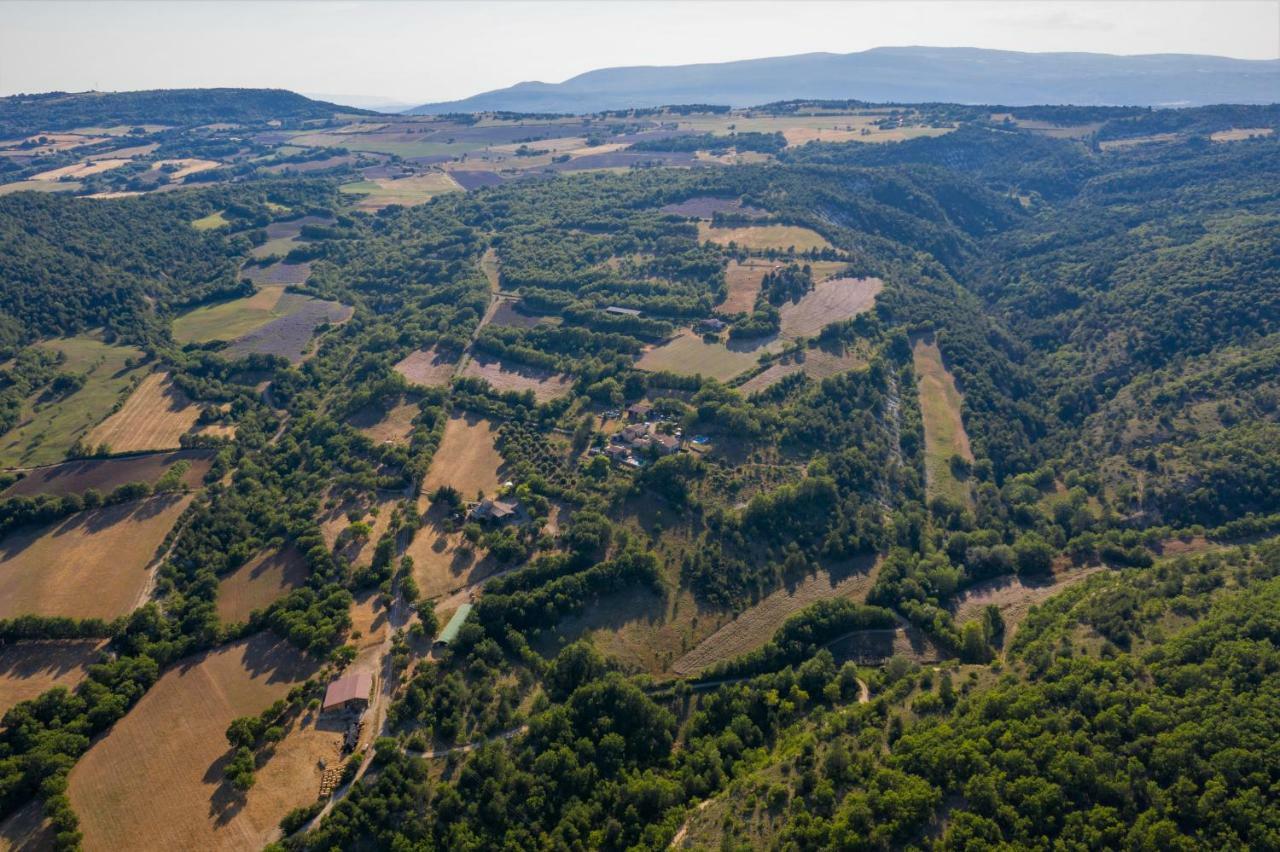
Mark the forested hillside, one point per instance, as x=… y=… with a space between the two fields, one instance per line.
x=855 y=495
x=22 y=115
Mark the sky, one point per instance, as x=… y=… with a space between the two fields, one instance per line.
x=421 y=52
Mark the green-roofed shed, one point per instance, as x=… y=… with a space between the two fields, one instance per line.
x=451 y=629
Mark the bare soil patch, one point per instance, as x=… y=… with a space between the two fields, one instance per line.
x=94 y=564
x=156 y=780
x=259 y=583
x=505 y=375
x=29 y=669
x=428 y=367
x=154 y=417
x=757 y=625
x=77 y=477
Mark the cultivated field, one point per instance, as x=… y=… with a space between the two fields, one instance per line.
x=387 y=426
x=40 y=186
x=687 y=354
x=1236 y=134
x=28 y=669
x=510 y=376
x=180 y=169
x=48 y=427
x=383 y=192
x=944 y=434
x=764 y=237
x=136 y=790
x=466 y=459
x=814 y=363
x=799 y=129
x=277 y=273
x=77 y=477
x=706 y=206
x=290 y=336
x=428 y=367
x=154 y=417
x=743 y=280
x=236 y=317
x=94 y=564
x=756 y=626
x=829 y=301
x=260 y=582
x=80 y=170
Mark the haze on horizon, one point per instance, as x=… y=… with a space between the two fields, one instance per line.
x=422 y=52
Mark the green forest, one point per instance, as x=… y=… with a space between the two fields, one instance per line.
x=1110 y=317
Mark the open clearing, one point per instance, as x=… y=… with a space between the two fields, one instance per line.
x=428 y=367
x=80 y=170
x=757 y=625
x=815 y=363
x=213 y=220
x=28 y=669
x=833 y=300
x=136 y=790
x=48 y=427
x=154 y=417
x=687 y=354
x=799 y=129
x=445 y=562
x=764 y=237
x=237 y=317
x=77 y=477
x=509 y=376
x=93 y=564
x=1015 y=595
x=383 y=192
x=467 y=458
x=944 y=434
x=260 y=582
x=743 y=280
x=386 y=427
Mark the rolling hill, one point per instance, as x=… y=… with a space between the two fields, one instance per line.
x=902 y=75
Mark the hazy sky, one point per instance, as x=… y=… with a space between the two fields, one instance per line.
x=430 y=51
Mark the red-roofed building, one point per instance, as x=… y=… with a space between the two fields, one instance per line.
x=349 y=692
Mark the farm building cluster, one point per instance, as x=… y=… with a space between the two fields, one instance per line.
x=646 y=436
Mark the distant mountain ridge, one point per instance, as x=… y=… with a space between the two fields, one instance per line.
x=901 y=75
x=52 y=111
